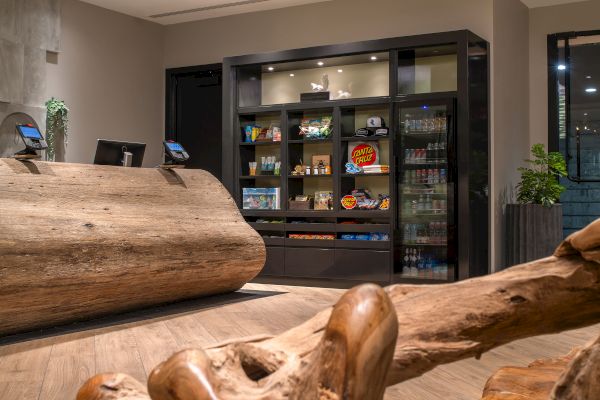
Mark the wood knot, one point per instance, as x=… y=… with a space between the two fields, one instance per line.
x=88 y=225
x=517 y=299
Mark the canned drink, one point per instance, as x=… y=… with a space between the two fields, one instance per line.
x=418 y=176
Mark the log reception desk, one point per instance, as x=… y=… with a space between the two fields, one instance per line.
x=79 y=241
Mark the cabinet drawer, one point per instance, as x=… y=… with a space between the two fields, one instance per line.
x=363 y=265
x=274 y=263
x=309 y=262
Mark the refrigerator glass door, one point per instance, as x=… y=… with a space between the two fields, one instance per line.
x=425 y=246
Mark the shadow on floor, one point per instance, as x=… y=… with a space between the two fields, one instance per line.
x=128 y=319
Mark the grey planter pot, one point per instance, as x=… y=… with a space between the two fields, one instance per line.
x=532 y=231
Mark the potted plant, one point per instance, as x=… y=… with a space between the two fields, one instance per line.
x=56 y=129
x=534 y=226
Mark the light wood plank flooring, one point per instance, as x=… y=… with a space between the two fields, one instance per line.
x=55 y=365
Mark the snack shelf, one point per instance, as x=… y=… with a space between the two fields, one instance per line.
x=272 y=143
x=348 y=228
x=355 y=175
x=310 y=243
x=267 y=226
x=310 y=141
x=363 y=139
x=274 y=241
x=310 y=227
x=247 y=177
x=362 y=244
x=364 y=213
x=310 y=176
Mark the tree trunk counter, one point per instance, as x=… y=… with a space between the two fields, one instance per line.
x=79 y=241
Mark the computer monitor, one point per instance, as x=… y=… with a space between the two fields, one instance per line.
x=111 y=152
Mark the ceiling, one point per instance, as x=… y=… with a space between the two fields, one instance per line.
x=168 y=12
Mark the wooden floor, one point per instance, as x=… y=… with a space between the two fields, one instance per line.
x=55 y=365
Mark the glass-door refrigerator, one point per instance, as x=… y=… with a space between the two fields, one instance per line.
x=425 y=245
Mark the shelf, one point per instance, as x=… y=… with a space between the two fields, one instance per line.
x=425 y=163
x=362 y=244
x=357 y=228
x=274 y=241
x=355 y=175
x=260 y=143
x=263 y=213
x=247 y=177
x=423 y=244
x=364 y=214
x=310 y=243
x=309 y=176
x=363 y=139
x=310 y=141
x=310 y=227
x=423 y=135
x=310 y=213
x=266 y=226
x=259 y=109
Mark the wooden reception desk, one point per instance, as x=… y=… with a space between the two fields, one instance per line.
x=79 y=241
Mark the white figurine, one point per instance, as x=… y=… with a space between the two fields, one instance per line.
x=321 y=87
x=345 y=94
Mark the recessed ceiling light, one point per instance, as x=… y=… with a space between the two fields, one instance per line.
x=270 y=68
x=588 y=77
x=591 y=90
x=561 y=67
x=292 y=75
x=320 y=63
x=585 y=114
x=340 y=70
x=373 y=58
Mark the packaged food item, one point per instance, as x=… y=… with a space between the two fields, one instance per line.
x=323 y=200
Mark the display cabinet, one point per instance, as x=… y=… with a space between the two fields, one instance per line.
x=364 y=161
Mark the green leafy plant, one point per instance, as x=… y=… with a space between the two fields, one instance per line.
x=57 y=120
x=539 y=183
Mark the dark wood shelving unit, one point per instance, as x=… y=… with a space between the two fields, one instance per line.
x=357 y=260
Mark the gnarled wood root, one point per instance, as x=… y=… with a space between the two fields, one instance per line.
x=437 y=324
x=350 y=362
x=575 y=376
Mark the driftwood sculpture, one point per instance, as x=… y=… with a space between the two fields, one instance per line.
x=335 y=354
x=575 y=376
x=78 y=241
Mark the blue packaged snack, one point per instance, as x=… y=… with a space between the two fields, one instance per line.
x=248 y=133
x=348 y=236
x=362 y=236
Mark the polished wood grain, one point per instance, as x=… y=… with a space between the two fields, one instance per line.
x=78 y=241
x=55 y=367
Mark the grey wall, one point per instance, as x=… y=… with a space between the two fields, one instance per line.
x=543 y=22
x=510 y=97
x=28 y=29
x=337 y=21
x=110 y=74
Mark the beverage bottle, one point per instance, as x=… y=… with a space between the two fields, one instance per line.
x=414 y=205
x=442 y=152
x=421 y=204
x=418 y=125
x=429 y=203
x=406 y=233
x=428 y=270
x=413 y=177
x=430 y=176
x=406 y=264
x=443 y=175
x=418 y=176
x=413 y=233
x=413 y=266
x=429 y=154
x=444 y=123
x=419 y=264
x=406 y=155
x=407 y=125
